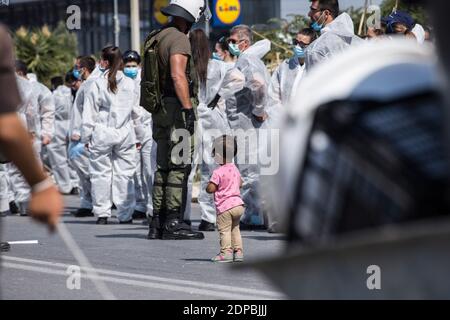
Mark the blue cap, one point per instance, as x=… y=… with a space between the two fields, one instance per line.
x=398 y=17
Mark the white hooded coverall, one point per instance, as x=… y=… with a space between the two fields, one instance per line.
x=28 y=112
x=335 y=37
x=245 y=90
x=107 y=127
x=57 y=149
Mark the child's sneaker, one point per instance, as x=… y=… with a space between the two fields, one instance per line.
x=238 y=255
x=223 y=257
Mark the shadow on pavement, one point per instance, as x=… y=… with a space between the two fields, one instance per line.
x=124 y=235
x=199 y=260
x=277 y=238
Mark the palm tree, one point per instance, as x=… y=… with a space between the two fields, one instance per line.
x=46 y=52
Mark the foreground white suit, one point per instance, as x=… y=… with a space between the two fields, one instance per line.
x=212 y=123
x=28 y=112
x=57 y=149
x=107 y=127
x=46 y=110
x=245 y=90
x=336 y=37
x=146 y=156
x=81 y=163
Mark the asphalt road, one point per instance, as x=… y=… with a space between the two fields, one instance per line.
x=131 y=266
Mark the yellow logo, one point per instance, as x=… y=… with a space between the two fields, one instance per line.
x=157 y=6
x=228 y=11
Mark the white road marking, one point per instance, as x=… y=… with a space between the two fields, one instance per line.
x=24 y=242
x=269 y=294
x=54 y=270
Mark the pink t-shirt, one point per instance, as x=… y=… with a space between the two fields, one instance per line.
x=228 y=180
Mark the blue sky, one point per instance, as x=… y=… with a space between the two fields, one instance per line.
x=301 y=6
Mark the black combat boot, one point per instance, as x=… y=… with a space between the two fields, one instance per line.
x=154 y=229
x=4 y=247
x=176 y=229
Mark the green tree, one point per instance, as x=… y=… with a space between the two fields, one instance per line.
x=47 y=53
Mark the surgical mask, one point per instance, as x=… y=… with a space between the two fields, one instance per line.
x=299 y=52
x=101 y=68
x=216 y=56
x=316 y=26
x=131 y=72
x=234 y=49
x=77 y=74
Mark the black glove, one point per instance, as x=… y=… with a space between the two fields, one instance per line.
x=189 y=120
x=214 y=103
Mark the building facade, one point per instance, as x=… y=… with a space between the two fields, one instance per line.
x=97 y=18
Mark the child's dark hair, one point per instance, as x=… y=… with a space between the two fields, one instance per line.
x=224 y=145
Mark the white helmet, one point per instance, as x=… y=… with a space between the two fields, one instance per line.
x=190 y=10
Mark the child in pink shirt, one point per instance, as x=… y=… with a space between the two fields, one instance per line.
x=225 y=183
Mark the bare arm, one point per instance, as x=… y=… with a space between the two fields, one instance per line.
x=211 y=188
x=178 y=65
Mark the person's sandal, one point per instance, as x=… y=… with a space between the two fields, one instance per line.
x=238 y=256
x=223 y=257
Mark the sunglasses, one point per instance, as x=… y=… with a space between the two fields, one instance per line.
x=235 y=41
x=314 y=9
x=295 y=42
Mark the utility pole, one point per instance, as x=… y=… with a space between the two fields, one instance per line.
x=135 y=26
x=116 y=23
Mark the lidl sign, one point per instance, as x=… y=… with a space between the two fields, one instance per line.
x=226 y=13
x=158 y=17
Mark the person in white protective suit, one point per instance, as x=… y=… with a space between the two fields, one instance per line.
x=212 y=121
x=245 y=90
x=4 y=190
x=28 y=112
x=107 y=130
x=146 y=155
x=282 y=88
x=78 y=154
x=337 y=32
x=46 y=111
x=290 y=71
x=57 y=149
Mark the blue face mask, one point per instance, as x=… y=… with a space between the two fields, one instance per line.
x=216 y=56
x=299 y=52
x=131 y=72
x=77 y=74
x=234 y=49
x=316 y=26
x=101 y=69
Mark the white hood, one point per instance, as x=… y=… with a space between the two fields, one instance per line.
x=259 y=49
x=342 y=26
